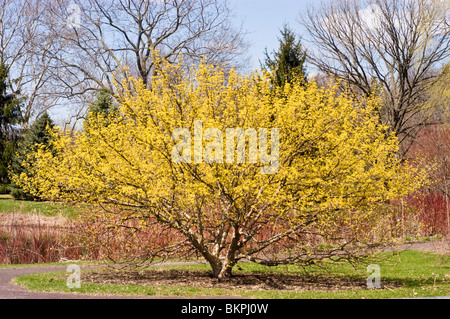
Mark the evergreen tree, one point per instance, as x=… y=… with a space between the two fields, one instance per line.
x=10 y=118
x=288 y=63
x=102 y=107
x=37 y=134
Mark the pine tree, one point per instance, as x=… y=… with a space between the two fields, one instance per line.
x=10 y=118
x=102 y=107
x=288 y=63
x=37 y=134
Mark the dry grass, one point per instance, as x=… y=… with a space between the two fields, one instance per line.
x=33 y=238
x=31 y=220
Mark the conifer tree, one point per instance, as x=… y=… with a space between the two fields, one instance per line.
x=102 y=107
x=10 y=117
x=36 y=136
x=288 y=63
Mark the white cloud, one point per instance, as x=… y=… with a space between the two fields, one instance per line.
x=371 y=16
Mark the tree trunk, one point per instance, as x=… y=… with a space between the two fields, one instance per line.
x=230 y=261
x=216 y=268
x=221 y=270
x=225 y=272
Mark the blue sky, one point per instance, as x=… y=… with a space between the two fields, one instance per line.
x=263 y=19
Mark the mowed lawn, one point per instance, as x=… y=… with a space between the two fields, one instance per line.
x=415 y=274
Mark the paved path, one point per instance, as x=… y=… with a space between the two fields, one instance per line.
x=8 y=290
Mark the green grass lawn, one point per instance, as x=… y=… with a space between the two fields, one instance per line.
x=420 y=274
x=10 y=205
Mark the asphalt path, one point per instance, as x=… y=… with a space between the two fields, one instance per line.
x=9 y=290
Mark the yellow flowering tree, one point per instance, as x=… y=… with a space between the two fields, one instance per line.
x=233 y=168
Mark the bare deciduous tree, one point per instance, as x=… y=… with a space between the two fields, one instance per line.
x=25 y=45
x=393 y=46
x=439 y=97
x=100 y=39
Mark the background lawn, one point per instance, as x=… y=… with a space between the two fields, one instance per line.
x=10 y=205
